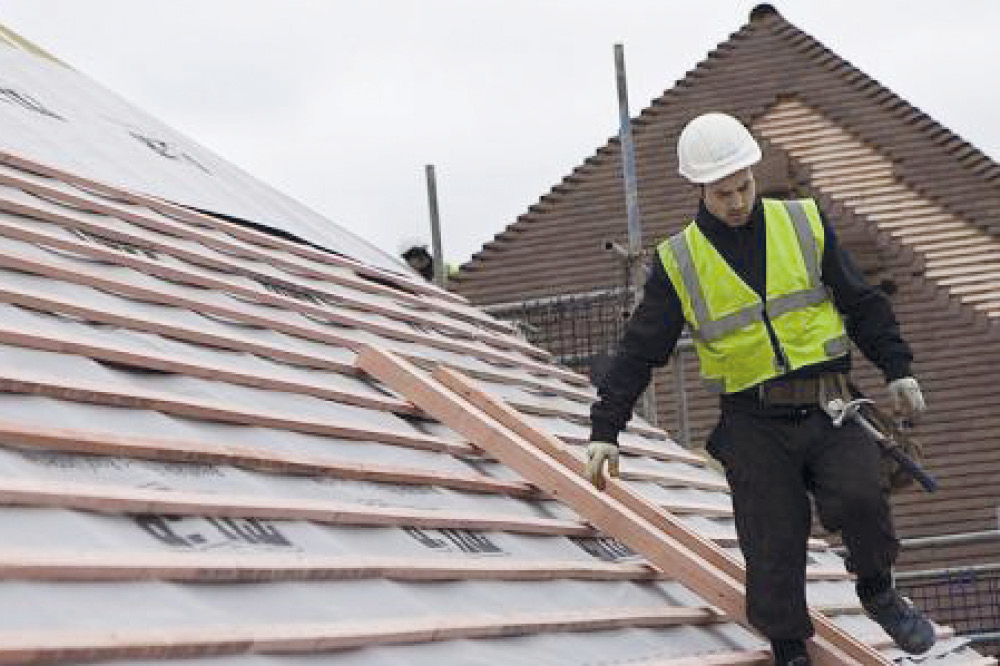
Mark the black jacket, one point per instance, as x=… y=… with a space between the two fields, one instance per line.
x=655 y=326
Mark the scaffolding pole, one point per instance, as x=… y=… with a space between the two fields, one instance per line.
x=634 y=255
x=432 y=202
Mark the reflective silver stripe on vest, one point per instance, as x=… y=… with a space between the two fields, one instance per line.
x=685 y=263
x=713 y=384
x=797 y=300
x=837 y=346
x=713 y=330
x=807 y=241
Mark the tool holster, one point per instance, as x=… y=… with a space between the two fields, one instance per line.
x=893 y=476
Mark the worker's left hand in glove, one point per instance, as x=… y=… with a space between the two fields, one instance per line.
x=597 y=454
x=907 y=398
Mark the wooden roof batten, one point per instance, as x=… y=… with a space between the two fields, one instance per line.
x=276 y=639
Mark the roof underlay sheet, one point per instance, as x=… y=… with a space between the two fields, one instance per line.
x=60 y=117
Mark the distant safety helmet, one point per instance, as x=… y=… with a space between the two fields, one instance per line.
x=412 y=243
x=713 y=146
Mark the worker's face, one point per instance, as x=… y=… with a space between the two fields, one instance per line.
x=418 y=259
x=731 y=199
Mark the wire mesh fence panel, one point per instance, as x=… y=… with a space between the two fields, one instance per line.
x=580 y=330
x=966 y=599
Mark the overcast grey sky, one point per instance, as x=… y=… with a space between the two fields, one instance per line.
x=341 y=104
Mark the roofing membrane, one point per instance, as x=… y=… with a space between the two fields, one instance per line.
x=60 y=117
x=194 y=468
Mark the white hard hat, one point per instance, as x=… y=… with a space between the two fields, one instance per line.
x=407 y=244
x=713 y=146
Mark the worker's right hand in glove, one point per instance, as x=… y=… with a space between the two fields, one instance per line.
x=597 y=454
x=907 y=399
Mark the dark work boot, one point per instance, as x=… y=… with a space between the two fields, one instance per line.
x=907 y=626
x=790 y=653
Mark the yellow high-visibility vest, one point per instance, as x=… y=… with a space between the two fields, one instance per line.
x=727 y=318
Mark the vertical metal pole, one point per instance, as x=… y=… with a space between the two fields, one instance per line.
x=636 y=273
x=628 y=170
x=432 y=201
x=680 y=392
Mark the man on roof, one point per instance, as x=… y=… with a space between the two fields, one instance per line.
x=416 y=255
x=772 y=302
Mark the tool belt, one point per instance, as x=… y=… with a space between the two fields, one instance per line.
x=803 y=392
x=818 y=390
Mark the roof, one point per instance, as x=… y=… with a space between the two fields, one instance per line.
x=181 y=405
x=917 y=206
x=195 y=468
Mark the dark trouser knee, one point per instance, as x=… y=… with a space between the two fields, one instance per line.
x=850 y=500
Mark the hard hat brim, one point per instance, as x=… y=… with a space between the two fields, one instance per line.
x=719 y=171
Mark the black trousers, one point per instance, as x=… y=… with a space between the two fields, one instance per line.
x=773 y=463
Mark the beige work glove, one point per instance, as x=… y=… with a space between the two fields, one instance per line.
x=597 y=454
x=907 y=400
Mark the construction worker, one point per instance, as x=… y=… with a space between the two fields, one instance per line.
x=771 y=301
x=415 y=253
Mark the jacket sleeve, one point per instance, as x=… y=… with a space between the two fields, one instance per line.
x=867 y=312
x=650 y=337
